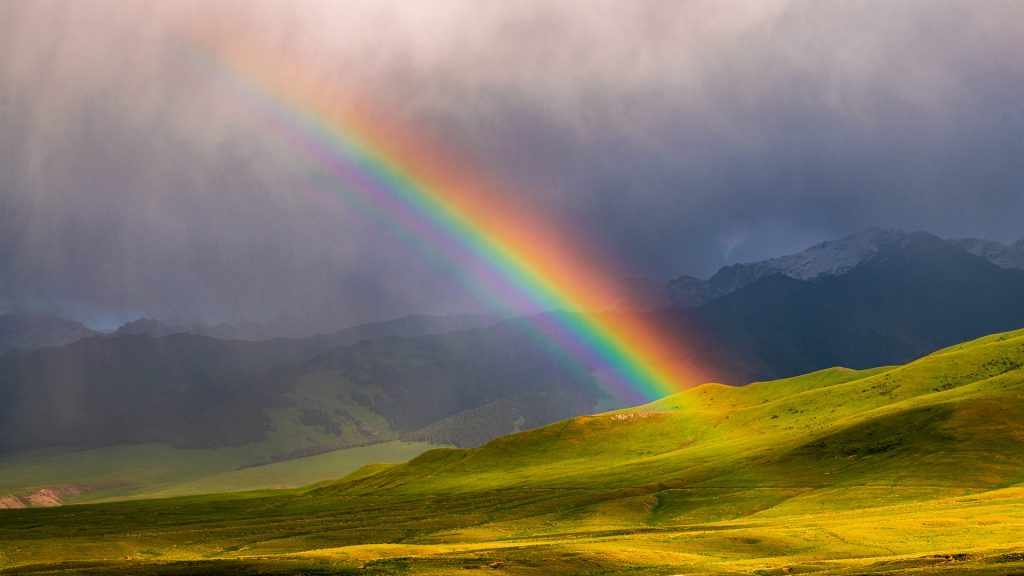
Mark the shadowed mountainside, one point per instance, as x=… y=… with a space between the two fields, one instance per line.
x=467 y=386
x=827 y=259
x=904 y=302
x=24 y=331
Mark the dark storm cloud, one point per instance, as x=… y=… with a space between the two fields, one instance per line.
x=677 y=136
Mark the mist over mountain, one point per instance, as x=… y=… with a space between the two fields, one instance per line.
x=146 y=327
x=23 y=331
x=829 y=258
x=910 y=298
x=412 y=325
x=1002 y=255
x=183 y=389
x=465 y=380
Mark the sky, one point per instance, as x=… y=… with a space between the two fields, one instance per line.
x=671 y=137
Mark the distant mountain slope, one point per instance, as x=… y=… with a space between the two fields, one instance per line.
x=914 y=297
x=188 y=390
x=419 y=382
x=406 y=327
x=831 y=258
x=1002 y=255
x=298 y=397
x=147 y=327
x=412 y=325
x=631 y=295
x=883 y=420
x=183 y=389
x=25 y=331
x=898 y=470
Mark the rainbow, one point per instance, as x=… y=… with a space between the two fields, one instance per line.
x=463 y=218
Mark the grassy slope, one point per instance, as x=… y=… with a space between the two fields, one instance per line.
x=155 y=470
x=896 y=470
x=295 y=473
x=133 y=470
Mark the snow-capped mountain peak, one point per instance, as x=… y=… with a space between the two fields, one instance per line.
x=828 y=258
x=1000 y=254
x=831 y=258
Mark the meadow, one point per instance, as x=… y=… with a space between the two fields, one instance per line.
x=157 y=470
x=914 y=469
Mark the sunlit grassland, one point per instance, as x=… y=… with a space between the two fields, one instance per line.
x=905 y=470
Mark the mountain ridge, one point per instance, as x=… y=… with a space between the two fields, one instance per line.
x=917 y=296
x=24 y=330
x=466 y=387
x=826 y=259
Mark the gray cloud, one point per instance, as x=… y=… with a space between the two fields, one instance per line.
x=676 y=136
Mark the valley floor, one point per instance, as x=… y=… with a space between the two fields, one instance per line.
x=972 y=534
x=159 y=471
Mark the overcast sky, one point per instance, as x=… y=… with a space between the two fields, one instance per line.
x=673 y=136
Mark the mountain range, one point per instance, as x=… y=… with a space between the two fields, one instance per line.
x=412 y=325
x=23 y=331
x=909 y=298
x=462 y=386
x=27 y=331
x=830 y=258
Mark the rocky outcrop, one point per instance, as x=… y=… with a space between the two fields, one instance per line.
x=42 y=498
x=11 y=502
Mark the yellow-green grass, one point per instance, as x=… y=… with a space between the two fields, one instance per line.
x=904 y=470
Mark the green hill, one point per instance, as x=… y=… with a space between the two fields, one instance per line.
x=153 y=470
x=904 y=470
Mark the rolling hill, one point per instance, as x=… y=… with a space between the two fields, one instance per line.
x=895 y=470
x=890 y=470
x=283 y=399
